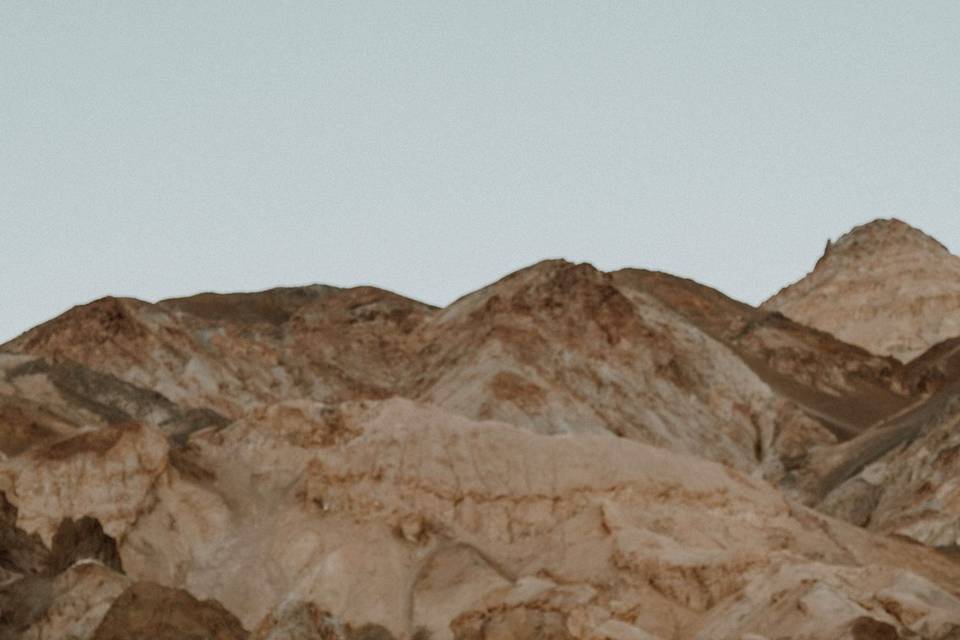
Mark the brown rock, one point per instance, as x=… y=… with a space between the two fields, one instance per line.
x=519 y=623
x=20 y=552
x=865 y=628
x=150 y=611
x=563 y=454
x=108 y=474
x=82 y=539
x=78 y=599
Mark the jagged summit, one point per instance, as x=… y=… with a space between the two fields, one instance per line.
x=884 y=286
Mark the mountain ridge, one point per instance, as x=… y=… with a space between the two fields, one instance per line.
x=564 y=453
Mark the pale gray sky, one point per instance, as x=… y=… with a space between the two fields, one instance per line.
x=155 y=149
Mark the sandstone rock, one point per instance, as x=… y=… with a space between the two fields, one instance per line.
x=20 y=552
x=79 y=598
x=912 y=485
x=227 y=353
x=108 y=474
x=843 y=385
x=495 y=504
x=816 y=601
x=460 y=512
x=23 y=601
x=300 y=621
x=43 y=401
x=884 y=286
x=58 y=593
x=559 y=348
x=563 y=454
x=555 y=348
x=519 y=623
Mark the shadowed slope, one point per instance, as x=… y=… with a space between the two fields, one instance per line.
x=847 y=387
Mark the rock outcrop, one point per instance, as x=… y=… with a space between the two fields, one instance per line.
x=485 y=526
x=885 y=286
x=108 y=473
x=146 y=610
x=904 y=477
x=60 y=592
x=556 y=348
x=565 y=454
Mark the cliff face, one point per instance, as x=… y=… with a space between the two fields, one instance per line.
x=565 y=453
x=885 y=286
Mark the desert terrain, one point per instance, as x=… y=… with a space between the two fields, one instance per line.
x=564 y=454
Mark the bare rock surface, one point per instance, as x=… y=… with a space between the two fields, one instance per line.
x=488 y=527
x=907 y=480
x=885 y=286
x=844 y=386
x=150 y=611
x=79 y=599
x=557 y=348
x=108 y=474
x=564 y=454
x=42 y=401
x=60 y=592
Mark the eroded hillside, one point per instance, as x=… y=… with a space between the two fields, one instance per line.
x=565 y=453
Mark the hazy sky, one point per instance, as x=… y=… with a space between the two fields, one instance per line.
x=155 y=149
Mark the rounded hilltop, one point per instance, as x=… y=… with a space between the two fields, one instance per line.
x=885 y=286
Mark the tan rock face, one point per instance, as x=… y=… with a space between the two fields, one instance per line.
x=227 y=353
x=556 y=348
x=56 y=593
x=884 y=286
x=42 y=401
x=486 y=527
x=817 y=601
x=913 y=487
x=564 y=454
x=109 y=474
x=559 y=348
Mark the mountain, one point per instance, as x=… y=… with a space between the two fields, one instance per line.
x=565 y=453
x=902 y=476
x=556 y=348
x=884 y=286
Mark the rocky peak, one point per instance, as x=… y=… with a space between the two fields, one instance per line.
x=884 y=286
x=316 y=462
x=884 y=236
x=105 y=319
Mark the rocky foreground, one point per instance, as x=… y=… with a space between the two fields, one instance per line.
x=563 y=454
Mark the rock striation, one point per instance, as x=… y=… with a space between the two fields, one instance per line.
x=565 y=454
x=556 y=348
x=479 y=526
x=885 y=286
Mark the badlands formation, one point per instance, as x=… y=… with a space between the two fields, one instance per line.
x=885 y=287
x=564 y=454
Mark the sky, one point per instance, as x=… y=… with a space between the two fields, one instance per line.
x=156 y=149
